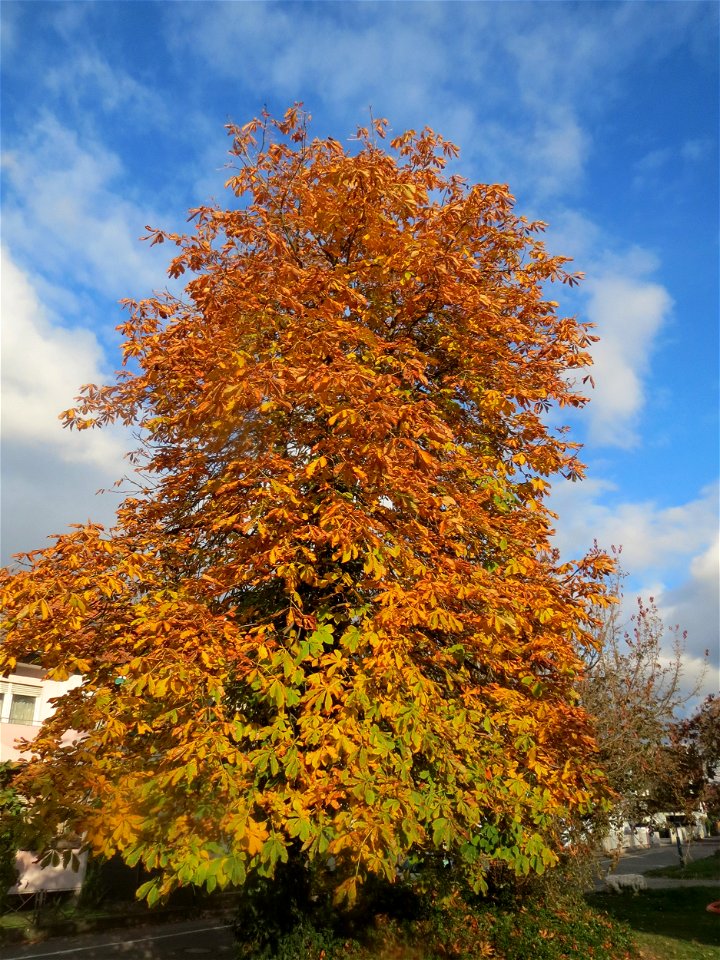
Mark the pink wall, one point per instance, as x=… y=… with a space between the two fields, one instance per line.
x=27 y=681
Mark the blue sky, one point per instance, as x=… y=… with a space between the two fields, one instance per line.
x=602 y=117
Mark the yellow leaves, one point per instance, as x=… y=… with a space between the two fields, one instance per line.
x=443 y=620
x=495 y=403
x=518 y=566
x=39 y=606
x=277 y=692
x=255 y=836
x=373 y=565
x=345 y=417
x=350 y=552
x=346 y=892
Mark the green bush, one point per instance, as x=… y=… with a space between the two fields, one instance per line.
x=290 y=917
x=309 y=942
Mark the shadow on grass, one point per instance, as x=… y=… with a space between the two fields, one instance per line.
x=680 y=913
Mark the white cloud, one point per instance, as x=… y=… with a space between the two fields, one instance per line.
x=657 y=541
x=43 y=367
x=64 y=214
x=50 y=475
x=628 y=310
x=695 y=606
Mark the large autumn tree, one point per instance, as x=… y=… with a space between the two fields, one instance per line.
x=330 y=622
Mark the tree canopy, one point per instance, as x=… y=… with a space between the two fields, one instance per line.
x=330 y=620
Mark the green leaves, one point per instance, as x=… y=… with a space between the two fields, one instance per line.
x=149 y=891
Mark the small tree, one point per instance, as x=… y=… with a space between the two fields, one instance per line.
x=634 y=690
x=701 y=733
x=695 y=742
x=331 y=624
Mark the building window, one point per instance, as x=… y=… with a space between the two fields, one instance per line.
x=22 y=708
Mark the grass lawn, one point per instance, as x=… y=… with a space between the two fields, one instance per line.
x=668 y=924
x=708 y=868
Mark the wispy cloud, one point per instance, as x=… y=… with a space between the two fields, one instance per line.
x=86 y=77
x=66 y=209
x=518 y=86
x=406 y=71
x=659 y=544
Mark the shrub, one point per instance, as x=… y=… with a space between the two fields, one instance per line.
x=11 y=808
x=291 y=918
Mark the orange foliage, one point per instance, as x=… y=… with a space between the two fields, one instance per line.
x=332 y=619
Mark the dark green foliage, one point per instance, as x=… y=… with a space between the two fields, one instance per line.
x=306 y=941
x=290 y=918
x=11 y=810
x=288 y=912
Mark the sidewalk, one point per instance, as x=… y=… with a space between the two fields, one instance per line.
x=640 y=859
x=672 y=883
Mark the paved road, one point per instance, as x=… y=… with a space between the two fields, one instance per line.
x=202 y=938
x=638 y=861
